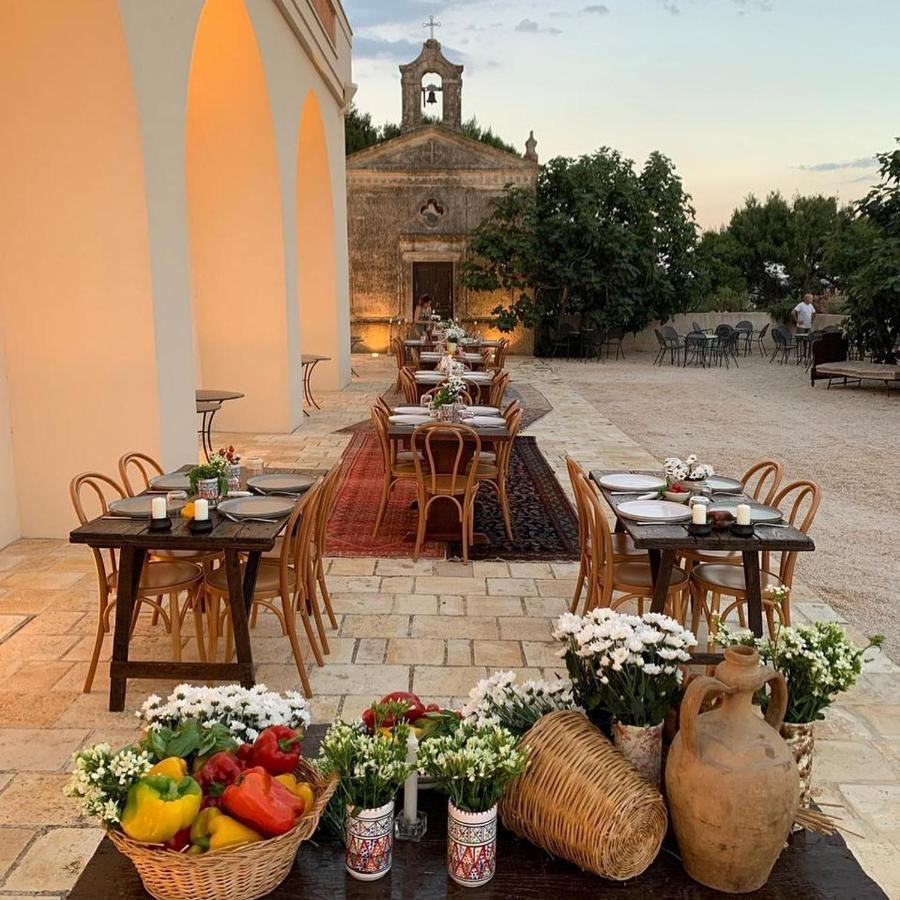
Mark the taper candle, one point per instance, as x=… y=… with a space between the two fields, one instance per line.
x=411 y=785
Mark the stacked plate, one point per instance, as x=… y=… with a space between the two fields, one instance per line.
x=485 y=421
x=281 y=483
x=176 y=481
x=629 y=481
x=139 y=507
x=724 y=485
x=409 y=419
x=654 y=511
x=257 y=507
x=758 y=512
x=410 y=411
x=480 y=411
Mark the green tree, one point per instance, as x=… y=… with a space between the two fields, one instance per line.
x=359 y=132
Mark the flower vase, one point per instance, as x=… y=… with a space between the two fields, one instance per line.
x=800 y=739
x=641 y=745
x=208 y=489
x=471 y=845
x=445 y=413
x=233 y=474
x=370 y=842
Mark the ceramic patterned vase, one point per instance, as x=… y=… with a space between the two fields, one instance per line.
x=208 y=489
x=471 y=846
x=801 y=741
x=233 y=474
x=370 y=842
x=641 y=745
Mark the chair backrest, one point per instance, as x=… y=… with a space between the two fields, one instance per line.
x=498 y=389
x=671 y=335
x=804 y=498
x=381 y=403
x=464 y=397
x=399 y=349
x=513 y=407
x=504 y=449
x=450 y=461
x=762 y=332
x=297 y=546
x=145 y=467
x=380 y=421
x=697 y=327
x=326 y=505
x=500 y=355
x=745 y=326
x=408 y=384
x=575 y=470
x=778 y=336
x=762 y=480
x=100 y=489
x=723 y=329
x=660 y=339
x=601 y=542
x=695 y=340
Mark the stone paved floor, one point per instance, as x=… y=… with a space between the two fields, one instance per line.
x=432 y=626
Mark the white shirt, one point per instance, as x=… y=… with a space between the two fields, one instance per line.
x=805 y=312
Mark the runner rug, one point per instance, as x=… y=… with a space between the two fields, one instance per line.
x=544 y=523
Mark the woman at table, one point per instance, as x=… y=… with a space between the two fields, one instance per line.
x=422 y=314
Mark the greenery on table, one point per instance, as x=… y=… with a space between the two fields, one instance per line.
x=215 y=468
x=474 y=764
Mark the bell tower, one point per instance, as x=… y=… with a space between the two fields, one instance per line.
x=431 y=61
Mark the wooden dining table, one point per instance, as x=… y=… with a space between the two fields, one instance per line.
x=443 y=517
x=133 y=540
x=477 y=383
x=430 y=359
x=664 y=542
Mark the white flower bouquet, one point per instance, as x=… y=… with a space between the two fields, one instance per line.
x=474 y=764
x=500 y=700
x=245 y=712
x=101 y=779
x=628 y=667
x=450 y=392
x=818 y=662
x=689 y=469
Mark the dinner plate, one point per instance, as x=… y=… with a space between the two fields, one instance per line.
x=176 y=481
x=284 y=482
x=481 y=411
x=758 y=511
x=724 y=485
x=409 y=411
x=485 y=421
x=479 y=377
x=653 y=511
x=410 y=420
x=257 y=507
x=427 y=376
x=628 y=481
x=139 y=507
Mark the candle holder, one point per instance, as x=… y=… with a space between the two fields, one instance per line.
x=743 y=531
x=201 y=526
x=699 y=530
x=160 y=524
x=410 y=831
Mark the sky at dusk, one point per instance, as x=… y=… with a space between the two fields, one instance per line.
x=746 y=96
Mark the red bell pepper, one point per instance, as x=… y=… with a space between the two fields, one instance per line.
x=277 y=749
x=245 y=754
x=179 y=842
x=258 y=800
x=220 y=770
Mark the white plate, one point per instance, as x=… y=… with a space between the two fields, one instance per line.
x=176 y=481
x=139 y=507
x=480 y=377
x=485 y=421
x=409 y=411
x=428 y=377
x=724 y=485
x=257 y=507
x=409 y=420
x=626 y=481
x=284 y=482
x=653 y=511
x=481 y=411
x=758 y=512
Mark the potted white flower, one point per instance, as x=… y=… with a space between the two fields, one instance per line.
x=371 y=768
x=445 y=399
x=628 y=669
x=818 y=662
x=473 y=765
x=690 y=473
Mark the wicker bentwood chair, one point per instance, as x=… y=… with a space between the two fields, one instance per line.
x=496 y=471
x=437 y=481
x=497 y=390
x=720 y=581
x=285 y=578
x=398 y=348
x=622 y=544
x=407 y=381
x=608 y=576
x=160 y=579
x=394 y=469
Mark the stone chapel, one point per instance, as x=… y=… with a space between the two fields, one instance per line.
x=412 y=202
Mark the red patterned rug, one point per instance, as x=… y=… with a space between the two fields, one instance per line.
x=544 y=524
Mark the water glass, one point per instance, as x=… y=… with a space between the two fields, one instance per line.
x=255 y=466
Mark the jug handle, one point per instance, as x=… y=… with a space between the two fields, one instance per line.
x=777 y=699
x=698 y=690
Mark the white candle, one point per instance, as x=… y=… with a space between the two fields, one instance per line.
x=201 y=510
x=411 y=785
x=158 y=508
x=743 y=514
x=698 y=514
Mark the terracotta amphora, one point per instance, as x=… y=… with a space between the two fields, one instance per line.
x=732 y=782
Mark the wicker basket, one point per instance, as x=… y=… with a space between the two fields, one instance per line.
x=242 y=873
x=580 y=800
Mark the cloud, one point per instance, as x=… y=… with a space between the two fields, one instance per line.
x=597 y=9
x=865 y=162
x=745 y=6
x=671 y=8
x=400 y=51
x=370 y=13
x=529 y=26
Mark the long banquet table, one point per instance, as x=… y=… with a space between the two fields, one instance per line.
x=811 y=868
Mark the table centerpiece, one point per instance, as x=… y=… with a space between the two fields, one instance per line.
x=209 y=480
x=688 y=473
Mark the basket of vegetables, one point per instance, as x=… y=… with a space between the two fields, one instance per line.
x=200 y=813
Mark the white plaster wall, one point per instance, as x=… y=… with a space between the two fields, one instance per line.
x=160 y=37
x=9 y=504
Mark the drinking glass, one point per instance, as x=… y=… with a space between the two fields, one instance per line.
x=255 y=466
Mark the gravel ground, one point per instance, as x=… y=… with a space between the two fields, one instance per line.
x=846 y=439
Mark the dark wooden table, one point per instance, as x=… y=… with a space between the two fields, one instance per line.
x=443 y=523
x=133 y=539
x=430 y=360
x=663 y=543
x=209 y=402
x=811 y=868
x=308 y=362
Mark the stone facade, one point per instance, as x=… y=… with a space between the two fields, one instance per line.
x=414 y=200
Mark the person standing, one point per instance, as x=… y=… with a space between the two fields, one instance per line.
x=804 y=313
x=422 y=314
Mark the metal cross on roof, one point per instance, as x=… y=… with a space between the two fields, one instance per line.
x=432 y=25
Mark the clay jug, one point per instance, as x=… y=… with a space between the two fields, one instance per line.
x=732 y=782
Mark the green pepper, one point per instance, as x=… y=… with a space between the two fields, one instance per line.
x=158 y=807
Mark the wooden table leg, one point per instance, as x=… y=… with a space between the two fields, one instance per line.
x=131 y=562
x=754 y=591
x=662 y=579
x=240 y=597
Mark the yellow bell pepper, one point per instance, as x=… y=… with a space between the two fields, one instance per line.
x=172 y=767
x=213 y=830
x=158 y=807
x=301 y=789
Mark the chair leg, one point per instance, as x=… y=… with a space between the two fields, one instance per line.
x=579 y=586
x=195 y=601
x=420 y=527
x=308 y=627
x=323 y=587
x=382 y=508
x=317 y=612
x=295 y=646
x=504 y=508
x=175 y=625
x=95 y=653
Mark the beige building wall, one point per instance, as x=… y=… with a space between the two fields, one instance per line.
x=9 y=503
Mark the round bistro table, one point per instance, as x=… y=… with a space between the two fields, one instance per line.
x=308 y=362
x=209 y=402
